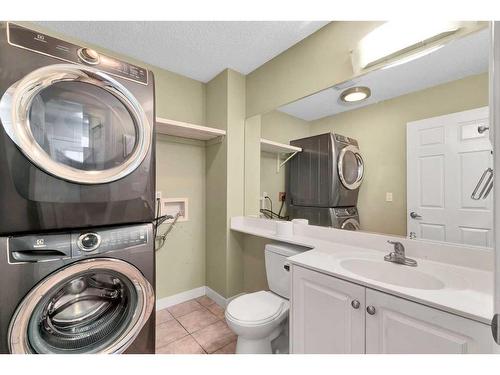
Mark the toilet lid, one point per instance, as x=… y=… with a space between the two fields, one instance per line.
x=256 y=308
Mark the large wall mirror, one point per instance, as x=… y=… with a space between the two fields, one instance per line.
x=399 y=150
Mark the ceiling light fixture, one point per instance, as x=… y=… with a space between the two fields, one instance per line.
x=396 y=38
x=414 y=56
x=355 y=94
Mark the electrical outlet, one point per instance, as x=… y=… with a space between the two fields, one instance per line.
x=281 y=196
x=388 y=197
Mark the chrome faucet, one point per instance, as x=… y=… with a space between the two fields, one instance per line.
x=398 y=255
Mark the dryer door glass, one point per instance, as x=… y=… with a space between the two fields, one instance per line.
x=77 y=123
x=82 y=126
x=350 y=167
x=85 y=308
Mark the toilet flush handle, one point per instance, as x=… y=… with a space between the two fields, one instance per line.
x=287 y=267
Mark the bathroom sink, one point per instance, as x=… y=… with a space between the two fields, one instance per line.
x=392 y=273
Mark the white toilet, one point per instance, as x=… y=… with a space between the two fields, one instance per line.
x=260 y=319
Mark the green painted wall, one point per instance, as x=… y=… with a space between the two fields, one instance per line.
x=180 y=164
x=252 y=165
x=279 y=127
x=381 y=132
x=216 y=193
x=181 y=173
x=225 y=109
x=235 y=179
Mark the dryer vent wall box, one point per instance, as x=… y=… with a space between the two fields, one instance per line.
x=171 y=206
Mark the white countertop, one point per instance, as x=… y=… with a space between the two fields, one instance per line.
x=468 y=283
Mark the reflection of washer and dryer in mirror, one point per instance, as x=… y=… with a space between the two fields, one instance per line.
x=77 y=154
x=324 y=179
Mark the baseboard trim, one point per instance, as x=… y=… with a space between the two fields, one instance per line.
x=219 y=300
x=163 y=303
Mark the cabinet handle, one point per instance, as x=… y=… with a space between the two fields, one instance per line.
x=371 y=310
x=355 y=304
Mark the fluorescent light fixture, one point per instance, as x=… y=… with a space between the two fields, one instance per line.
x=355 y=94
x=395 y=38
x=414 y=56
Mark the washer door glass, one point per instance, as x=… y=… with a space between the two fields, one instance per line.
x=93 y=306
x=350 y=167
x=77 y=123
x=350 y=224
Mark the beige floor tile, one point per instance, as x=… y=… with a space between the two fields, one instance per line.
x=185 y=345
x=184 y=308
x=228 y=349
x=216 y=310
x=214 y=337
x=163 y=316
x=168 y=332
x=205 y=301
x=197 y=320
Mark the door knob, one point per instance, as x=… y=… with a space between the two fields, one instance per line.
x=414 y=215
x=371 y=310
x=355 y=304
x=482 y=128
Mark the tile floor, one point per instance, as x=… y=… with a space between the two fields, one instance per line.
x=194 y=327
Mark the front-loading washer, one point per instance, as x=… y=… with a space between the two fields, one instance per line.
x=85 y=291
x=335 y=217
x=76 y=136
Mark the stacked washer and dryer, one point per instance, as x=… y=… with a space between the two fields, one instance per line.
x=77 y=189
x=323 y=181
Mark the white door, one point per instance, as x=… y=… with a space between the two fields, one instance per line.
x=327 y=314
x=398 y=326
x=446 y=156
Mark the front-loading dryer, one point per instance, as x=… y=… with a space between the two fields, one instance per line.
x=76 y=136
x=328 y=172
x=82 y=291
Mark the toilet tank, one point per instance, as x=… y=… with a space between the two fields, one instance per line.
x=278 y=277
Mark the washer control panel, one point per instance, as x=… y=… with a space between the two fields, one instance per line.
x=346 y=211
x=31 y=40
x=89 y=241
x=105 y=240
x=33 y=248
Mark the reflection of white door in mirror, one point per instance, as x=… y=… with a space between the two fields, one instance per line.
x=446 y=156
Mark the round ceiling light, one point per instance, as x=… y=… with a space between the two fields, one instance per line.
x=355 y=94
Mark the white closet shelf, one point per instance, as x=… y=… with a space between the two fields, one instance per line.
x=187 y=130
x=277 y=148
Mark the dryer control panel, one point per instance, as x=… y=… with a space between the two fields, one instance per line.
x=76 y=244
x=46 y=45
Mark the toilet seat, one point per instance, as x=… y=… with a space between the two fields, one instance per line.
x=256 y=309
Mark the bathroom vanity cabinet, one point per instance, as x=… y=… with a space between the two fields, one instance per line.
x=333 y=316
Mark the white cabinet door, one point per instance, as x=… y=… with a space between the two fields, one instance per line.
x=401 y=326
x=323 y=319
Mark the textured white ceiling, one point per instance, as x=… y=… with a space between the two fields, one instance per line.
x=457 y=59
x=196 y=49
